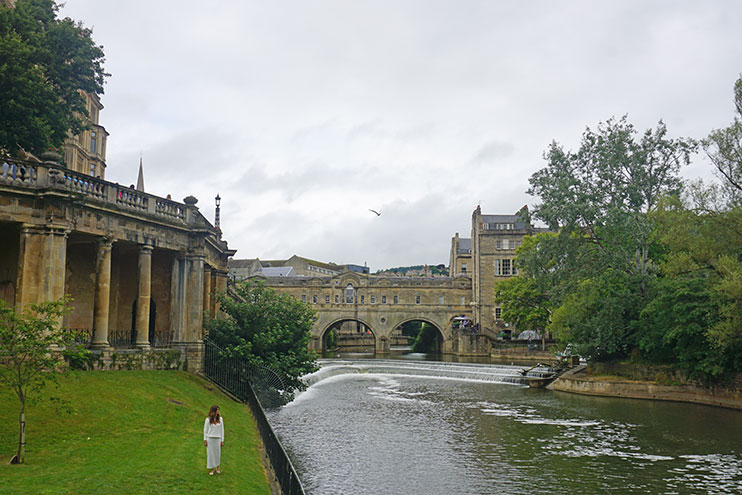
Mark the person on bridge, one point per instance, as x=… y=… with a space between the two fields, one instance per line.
x=213 y=439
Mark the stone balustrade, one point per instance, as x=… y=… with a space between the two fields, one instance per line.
x=48 y=175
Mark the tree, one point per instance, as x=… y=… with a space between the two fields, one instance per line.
x=523 y=304
x=702 y=238
x=605 y=189
x=45 y=63
x=27 y=360
x=596 y=266
x=266 y=328
x=724 y=148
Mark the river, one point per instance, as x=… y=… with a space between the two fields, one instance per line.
x=381 y=427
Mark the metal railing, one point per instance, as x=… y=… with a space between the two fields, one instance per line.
x=122 y=339
x=257 y=386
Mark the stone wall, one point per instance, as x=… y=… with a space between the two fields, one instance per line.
x=10 y=241
x=381 y=303
x=578 y=381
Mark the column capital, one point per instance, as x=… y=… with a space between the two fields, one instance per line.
x=53 y=229
x=195 y=256
x=105 y=242
x=145 y=249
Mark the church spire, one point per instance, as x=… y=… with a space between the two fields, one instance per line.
x=140 y=179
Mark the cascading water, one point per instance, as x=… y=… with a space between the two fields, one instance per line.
x=454 y=371
x=385 y=426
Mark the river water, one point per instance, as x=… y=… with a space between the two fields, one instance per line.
x=381 y=427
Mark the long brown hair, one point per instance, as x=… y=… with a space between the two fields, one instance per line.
x=214 y=416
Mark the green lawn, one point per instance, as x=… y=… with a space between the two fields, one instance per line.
x=128 y=432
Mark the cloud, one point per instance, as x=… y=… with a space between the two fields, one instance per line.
x=304 y=115
x=492 y=151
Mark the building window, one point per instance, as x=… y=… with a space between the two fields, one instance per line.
x=373 y=299
x=417 y=299
x=383 y=299
x=440 y=299
x=396 y=299
x=303 y=298
x=337 y=298
x=463 y=300
x=498 y=313
x=463 y=267
x=349 y=294
x=92 y=141
x=92 y=169
x=506 y=267
x=314 y=299
x=362 y=299
x=327 y=299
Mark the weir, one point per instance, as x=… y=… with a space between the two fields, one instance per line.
x=493 y=373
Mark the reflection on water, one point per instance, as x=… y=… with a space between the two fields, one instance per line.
x=419 y=427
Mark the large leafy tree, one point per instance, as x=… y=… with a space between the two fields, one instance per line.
x=266 y=328
x=26 y=363
x=724 y=148
x=605 y=189
x=45 y=63
x=596 y=267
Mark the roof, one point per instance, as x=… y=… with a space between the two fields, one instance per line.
x=464 y=245
x=241 y=263
x=278 y=271
x=500 y=218
x=514 y=219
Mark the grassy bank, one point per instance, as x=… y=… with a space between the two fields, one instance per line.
x=128 y=432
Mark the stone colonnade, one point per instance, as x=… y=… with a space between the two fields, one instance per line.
x=42 y=260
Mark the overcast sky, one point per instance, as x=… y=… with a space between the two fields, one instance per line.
x=303 y=115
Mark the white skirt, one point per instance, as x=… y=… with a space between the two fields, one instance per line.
x=213 y=452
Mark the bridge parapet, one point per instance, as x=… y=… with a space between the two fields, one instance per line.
x=382 y=304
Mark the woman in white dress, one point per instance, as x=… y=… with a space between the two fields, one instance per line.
x=214 y=439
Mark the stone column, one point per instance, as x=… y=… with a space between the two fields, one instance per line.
x=145 y=288
x=194 y=297
x=220 y=285
x=102 y=293
x=178 y=300
x=41 y=264
x=207 y=291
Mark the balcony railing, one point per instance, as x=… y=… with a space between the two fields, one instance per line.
x=49 y=176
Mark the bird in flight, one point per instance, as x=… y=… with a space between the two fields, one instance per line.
x=378 y=213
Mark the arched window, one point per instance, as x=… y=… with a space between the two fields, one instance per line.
x=349 y=294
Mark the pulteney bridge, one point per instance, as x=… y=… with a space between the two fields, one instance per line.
x=382 y=304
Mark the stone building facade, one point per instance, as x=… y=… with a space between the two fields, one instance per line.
x=460 y=258
x=86 y=152
x=138 y=267
x=494 y=239
x=382 y=304
x=301 y=267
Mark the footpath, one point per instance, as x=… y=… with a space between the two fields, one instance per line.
x=578 y=381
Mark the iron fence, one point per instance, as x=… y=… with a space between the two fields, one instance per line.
x=260 y=387
x=121 y=339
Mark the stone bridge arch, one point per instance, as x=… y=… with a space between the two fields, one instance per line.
x=443 y=328
x=359 y=342
x=380 y=303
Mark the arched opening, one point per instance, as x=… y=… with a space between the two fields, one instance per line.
x=417 y=336
x=152 y=319
x=348 y=336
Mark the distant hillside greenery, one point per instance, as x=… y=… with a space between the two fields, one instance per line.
x=439 y=270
